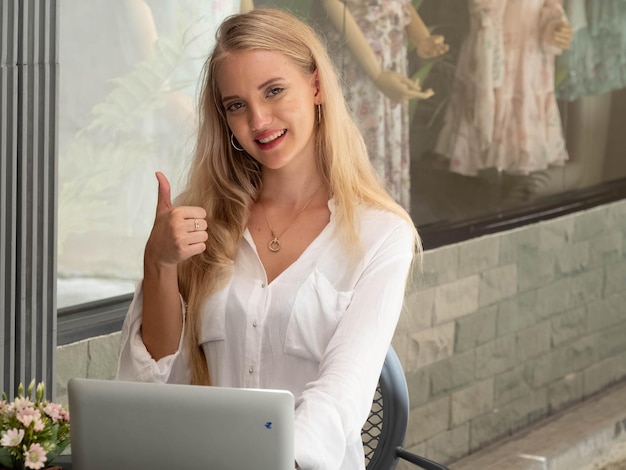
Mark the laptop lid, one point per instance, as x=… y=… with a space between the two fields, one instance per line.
x=136 y=426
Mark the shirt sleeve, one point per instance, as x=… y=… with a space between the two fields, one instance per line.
x=332 y=410
x=135 y=362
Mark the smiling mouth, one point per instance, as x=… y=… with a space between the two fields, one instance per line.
x=272 y=137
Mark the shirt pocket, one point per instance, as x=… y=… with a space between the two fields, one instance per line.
x=316 y=312
x=213 y=327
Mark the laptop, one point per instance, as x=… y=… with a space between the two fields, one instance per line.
x=144 y=426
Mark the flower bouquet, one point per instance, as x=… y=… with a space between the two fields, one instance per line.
x=32 y=433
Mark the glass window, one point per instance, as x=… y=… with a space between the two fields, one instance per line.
x=516 y=117
x=129 y=73
x=527 y=103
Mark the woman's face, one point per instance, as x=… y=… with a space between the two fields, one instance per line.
x=270 y=107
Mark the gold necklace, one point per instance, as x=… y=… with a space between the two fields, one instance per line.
x=274 y=243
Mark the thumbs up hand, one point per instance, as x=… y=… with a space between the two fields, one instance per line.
x=178 y=233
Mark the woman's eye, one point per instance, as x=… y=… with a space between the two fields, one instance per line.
x=275 y=91
x=234 y=106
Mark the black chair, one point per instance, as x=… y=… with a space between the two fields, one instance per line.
x=384 y=432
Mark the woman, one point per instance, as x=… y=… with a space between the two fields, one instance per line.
x=283 y=263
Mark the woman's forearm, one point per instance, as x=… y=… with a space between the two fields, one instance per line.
x=162 y=320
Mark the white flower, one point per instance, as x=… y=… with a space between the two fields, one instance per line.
x=12 y=437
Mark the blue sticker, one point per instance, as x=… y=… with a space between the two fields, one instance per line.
x=268 y=425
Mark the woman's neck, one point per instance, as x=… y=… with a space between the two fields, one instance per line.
x=291 y=190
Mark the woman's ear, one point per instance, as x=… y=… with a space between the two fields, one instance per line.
x=317 y=95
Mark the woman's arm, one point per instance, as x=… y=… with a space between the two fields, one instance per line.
x=152 y=333
x=178 y=233
x=333 y=408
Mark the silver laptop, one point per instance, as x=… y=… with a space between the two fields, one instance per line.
x=135 y=426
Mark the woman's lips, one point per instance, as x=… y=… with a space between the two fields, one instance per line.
x=271 y=140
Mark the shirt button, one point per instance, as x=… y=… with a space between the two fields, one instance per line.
x=251 y=369
x=254 y=323
x=263 y=285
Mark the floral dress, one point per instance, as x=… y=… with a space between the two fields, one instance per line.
x=596 y=61
x=502 y=111
x=384 y=124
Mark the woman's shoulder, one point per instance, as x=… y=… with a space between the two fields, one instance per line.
x=374 y=222
x=371 y=214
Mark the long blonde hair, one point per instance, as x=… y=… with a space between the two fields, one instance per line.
x=226 y=182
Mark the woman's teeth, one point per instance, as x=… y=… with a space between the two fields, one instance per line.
x=270 y=138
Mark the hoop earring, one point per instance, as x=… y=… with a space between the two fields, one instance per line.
x=232 y=142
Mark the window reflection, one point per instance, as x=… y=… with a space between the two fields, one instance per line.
x=515 y=116
x=371 y=43
x=540 y=147
x=128 y=81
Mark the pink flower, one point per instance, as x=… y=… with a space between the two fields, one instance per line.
x=27 y=416
x=35 y=457
x=56 y=412
x=22 y=403
x=9 y=409
x=12 y=437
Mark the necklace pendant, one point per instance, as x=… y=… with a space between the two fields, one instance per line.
x=274 y=245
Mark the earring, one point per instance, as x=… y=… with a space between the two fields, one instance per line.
x=319 y=113
x=232 y=142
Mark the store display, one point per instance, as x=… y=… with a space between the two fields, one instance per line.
x=502 y=111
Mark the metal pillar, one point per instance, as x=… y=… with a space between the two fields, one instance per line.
x=28 y=173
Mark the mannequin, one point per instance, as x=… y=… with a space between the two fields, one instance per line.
x=374 y=65
x=502 y=112
x=595 y=66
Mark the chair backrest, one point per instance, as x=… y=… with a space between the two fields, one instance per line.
x=386 y=426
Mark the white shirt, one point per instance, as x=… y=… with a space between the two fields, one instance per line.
x=321 y=330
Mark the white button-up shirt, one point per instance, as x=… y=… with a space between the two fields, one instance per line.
x=321 y=330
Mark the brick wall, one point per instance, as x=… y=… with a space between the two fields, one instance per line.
x=498 y=332
x=504 y=330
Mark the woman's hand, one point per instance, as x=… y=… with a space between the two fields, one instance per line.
x=178 y=232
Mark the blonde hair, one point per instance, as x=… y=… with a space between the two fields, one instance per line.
x=226 y=182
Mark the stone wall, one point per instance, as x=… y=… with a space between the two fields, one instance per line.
x=505 y=330
x=93 y=358
x=499 y=332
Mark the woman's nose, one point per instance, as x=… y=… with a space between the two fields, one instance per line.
x=259 y=117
